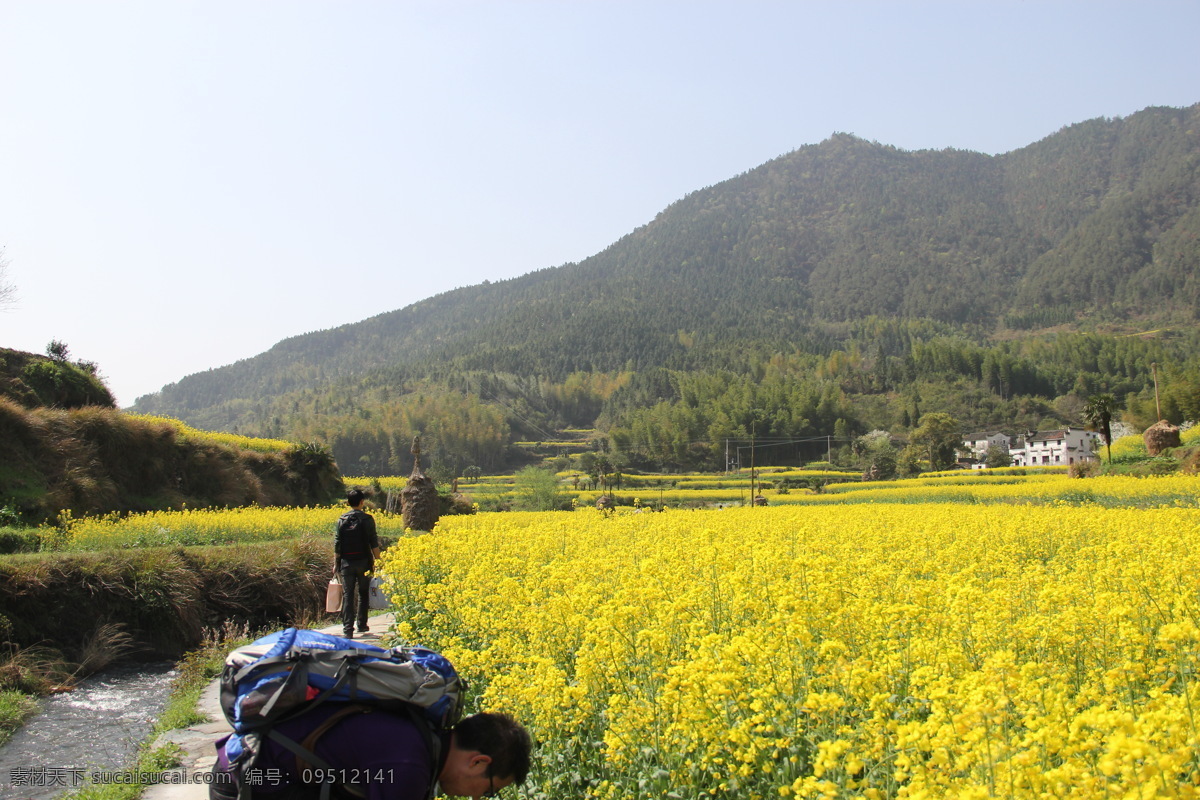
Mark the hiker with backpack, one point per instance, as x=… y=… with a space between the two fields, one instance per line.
x=319 y=717
x=355 y=548
x=378 y=755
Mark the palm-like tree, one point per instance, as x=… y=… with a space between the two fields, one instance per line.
x=1098 y=414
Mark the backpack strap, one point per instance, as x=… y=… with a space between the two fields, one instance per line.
x=293 y=661
x=432 y=742
x=307 y=758
x=306 y=751
x=319 y=763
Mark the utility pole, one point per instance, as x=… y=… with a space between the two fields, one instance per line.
x=752 y=464
x=1157 y=407
x=754 y=415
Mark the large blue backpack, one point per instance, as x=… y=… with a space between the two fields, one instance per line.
x=288 y=673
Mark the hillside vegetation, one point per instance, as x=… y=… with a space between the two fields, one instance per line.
x=846 y=281
x=96 y=460
x=32 y=380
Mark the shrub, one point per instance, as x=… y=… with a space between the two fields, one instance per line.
x=1084 y=469
x=1159 y=465
x=61 y=384
x=538 y=490
x=18 y=541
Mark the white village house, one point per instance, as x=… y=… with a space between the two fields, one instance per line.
x=980 y=443
x=1060 y=447
x=1064 y=446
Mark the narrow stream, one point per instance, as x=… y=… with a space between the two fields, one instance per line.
x=96 y=727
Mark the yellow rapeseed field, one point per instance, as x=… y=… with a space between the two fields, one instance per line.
x=388 y=483
x=245 y=442
x=964 y=487
x=877 y=651
x=206 y=526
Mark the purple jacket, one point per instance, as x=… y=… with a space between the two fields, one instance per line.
x=385 y=754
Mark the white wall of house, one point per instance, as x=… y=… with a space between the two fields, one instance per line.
x=980 y=443
x=1061 y=447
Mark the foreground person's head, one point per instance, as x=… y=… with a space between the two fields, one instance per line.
x=487 y=753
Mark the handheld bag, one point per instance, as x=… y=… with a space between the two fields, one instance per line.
x=287 y=673
x=333 y=597
x=377 y=599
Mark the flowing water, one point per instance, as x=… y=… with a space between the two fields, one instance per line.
x=97 y=727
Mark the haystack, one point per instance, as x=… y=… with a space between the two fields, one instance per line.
x=419 y=498
x=1161 y=436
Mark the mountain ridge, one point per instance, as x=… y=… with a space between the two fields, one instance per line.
x=1096 y=224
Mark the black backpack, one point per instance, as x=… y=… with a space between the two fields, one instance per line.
x=351 y=541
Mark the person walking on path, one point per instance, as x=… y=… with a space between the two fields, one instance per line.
x=355 y=548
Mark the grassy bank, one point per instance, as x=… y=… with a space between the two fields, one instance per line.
x=163 y=599
x=128 y=603
x=97 y=460
x=148 y=603
x=15 y=708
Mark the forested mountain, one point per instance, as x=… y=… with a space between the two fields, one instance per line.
x=840 y=271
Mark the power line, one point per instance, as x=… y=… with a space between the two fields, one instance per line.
x=539 y=429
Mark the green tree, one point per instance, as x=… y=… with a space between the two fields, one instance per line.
x=908 y=463
x=537 y=490
x=997 y=457
x=939 y=435
x=587 y=463
x=58 y=350
x=601 y=468
x=1098 y=414
x=440 y=473
x=882 y=462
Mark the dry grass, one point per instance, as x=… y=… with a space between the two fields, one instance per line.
x=105 y=645
x=98 y=460
x=39 y=670
x=159 y=600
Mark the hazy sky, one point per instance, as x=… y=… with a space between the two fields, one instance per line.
x=183 y=184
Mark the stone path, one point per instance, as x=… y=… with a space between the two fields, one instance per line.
x=197 y=741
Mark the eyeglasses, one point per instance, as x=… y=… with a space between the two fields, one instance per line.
x=492 y=790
